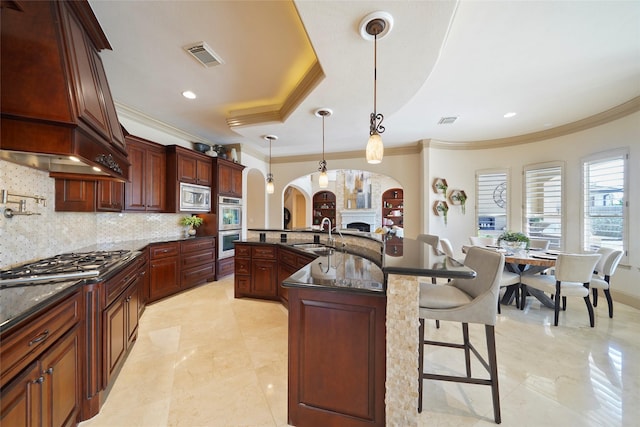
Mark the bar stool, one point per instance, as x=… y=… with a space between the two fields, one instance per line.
x=466 y=301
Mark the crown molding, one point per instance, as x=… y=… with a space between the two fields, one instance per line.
x=275 y=113
x=140 y=117
x=615 y=113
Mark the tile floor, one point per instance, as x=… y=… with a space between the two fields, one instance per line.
x=204 y=358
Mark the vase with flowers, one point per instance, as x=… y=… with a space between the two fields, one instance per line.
x=192 y=222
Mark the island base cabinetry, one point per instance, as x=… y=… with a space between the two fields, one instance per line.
x=256 y=271
x=336 y=358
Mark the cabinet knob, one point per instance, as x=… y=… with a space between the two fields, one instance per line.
x=39 y=380
x=49 y=371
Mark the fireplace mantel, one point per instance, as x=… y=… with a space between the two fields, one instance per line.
x=348 y=216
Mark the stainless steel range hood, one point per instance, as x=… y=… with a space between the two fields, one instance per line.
x=52 y=163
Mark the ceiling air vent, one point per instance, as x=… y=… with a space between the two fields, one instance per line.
x=447 y=120
x=204 y=54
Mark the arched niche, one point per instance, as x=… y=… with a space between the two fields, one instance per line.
x=358 y=196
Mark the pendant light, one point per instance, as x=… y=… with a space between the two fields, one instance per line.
x=270 y=186
x=323 y=179
x=375 y=25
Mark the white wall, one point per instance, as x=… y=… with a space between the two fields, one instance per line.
x=459 y=167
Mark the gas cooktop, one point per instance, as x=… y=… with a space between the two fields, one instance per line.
x=67 y=266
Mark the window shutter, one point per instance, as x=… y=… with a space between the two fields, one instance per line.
x=544 y=204
x=492 y=203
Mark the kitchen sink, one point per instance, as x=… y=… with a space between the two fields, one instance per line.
x=309 y=245
x=322 y=251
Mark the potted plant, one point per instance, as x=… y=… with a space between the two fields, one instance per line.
x=513 y=241
x=192 y=222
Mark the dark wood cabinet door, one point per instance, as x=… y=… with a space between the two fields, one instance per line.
x=21 y=401
x=115 y=337
x=135 y=188
x=236 y=183
x=132 y=299
x=344 y=386
x=225 y=185
x=60 y=367
x=187 y=169
x=110 y=196
x=204 y=172
x=156 y=181
x=164 y=277
x=264 y=278
x=75 y=195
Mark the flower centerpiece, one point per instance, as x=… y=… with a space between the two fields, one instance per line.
x=192 y=222
x=513 y=241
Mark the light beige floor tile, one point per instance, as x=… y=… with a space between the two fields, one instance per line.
x=204 y=358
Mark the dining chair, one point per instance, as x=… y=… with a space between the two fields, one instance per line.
x=605 y=268
x=466 y=301
x=510 y=278
x=446 y=247
x=482 y=241
x=541 y=244
x=572 y=276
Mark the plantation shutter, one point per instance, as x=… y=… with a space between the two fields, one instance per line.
x=543 y=211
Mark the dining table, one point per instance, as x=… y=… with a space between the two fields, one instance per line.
x=529 y=262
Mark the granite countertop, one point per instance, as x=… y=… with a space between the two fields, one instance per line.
x=19 y=302
x=339 y=271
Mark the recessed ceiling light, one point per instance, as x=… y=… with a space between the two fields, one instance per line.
x=188 y=94
x=509 y=115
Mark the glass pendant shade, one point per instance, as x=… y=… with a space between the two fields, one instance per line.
x=323 y=180
x=270 y=187
x=375 y=149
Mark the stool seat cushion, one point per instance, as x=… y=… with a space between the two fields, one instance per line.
x=442 y=296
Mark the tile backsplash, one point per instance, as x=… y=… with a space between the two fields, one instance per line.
x=27 y=238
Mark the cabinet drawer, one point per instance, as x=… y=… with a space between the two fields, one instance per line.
x=242 y=251
x=198 y=258
x=163 y=250
x=116 y=285
x=196 y=275
x=243 y=284
x=243 y=266
x=197 y=245
x=22 y=346
x=263 y=252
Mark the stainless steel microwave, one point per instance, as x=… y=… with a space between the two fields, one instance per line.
x=195 y=198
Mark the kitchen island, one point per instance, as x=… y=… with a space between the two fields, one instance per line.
x=353 y=341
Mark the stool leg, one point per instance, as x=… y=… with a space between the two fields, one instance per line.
x=467 y=352
x=420 y=362
x=493 y=371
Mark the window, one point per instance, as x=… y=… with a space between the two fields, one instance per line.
x=604 y=206
x=543 y=200
x=492 y=206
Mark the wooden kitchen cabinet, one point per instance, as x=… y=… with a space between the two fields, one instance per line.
x=256 y=271
x=110 y=196
x=289 y=261
x=164 y=270
x=146 y=191
x=120 y=322
x=198 y=261
x=228 y=177
x=75 y=195
x=41 y=368
x=120 y=318
x=184 y=165
x=343 y=386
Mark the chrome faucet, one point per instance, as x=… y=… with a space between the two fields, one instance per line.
x=330 y=240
